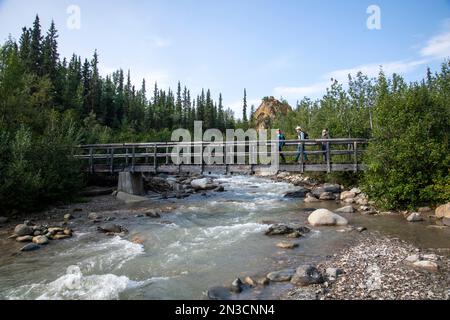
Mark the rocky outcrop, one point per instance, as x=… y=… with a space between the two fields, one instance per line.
x=324 y=217
x=269 y=109
x=443 y=211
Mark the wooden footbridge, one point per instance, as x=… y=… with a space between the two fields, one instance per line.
x=229 y=157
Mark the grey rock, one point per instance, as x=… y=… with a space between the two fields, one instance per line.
x=414 y=217
x=218 y=293
x=327 y=196
x=23 y=230
x=297 y=194
x=236 y=286
x=68 y=217
x=153 y=213
x=111 y=228
x=347 y=209
x=324 y=217
x=30 y=247
x=307 y=275
x=333 y=273
x=281 y=276
x=94 y=216
x=3 y=220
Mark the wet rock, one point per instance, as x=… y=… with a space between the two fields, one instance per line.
x=30 y=247
x=138 y=239
x=68 y=217
x=68 y=232
x=220 y=189
x=287 y=245
x=60 y=237
x=218 y=293
x=294 y=235
x=327 y=196
x=55 y=230
x=297 y=194
x=347 y=195
x=157 y=184
x=37 y=233
x=111 y=228
x=23 y=230
x=250 y=281
x=307 y=275
x=263 y=281
x=95 y=216
x=237 y=286
x=24 y=239
x=311 y=199
x=281 y=276
x=41 y=240
x=324 y=217
x=349 y=201
x=153 y=213
x=414 y=217
x=279 y=229
x=347 y=209
x=202 y=184
x=361 y=229
x=426 y=265
x=443 y=211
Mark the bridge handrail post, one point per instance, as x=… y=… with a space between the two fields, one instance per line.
x=167 y=154
x=111 y=164
x=355 y=154
x=91 y=160
x=302 y=157
x=155 y=157
x=328 y=157
x=133 y=159
x=201 y=158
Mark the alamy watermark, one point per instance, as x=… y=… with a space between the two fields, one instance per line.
x=74 y=19
x=374 y=20
x=238 y=147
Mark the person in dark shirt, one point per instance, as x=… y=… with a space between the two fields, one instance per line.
x=281 y=144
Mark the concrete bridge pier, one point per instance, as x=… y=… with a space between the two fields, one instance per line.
x=132 y=183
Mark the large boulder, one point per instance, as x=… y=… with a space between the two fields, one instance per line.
x=307 y=275
x=443 y=211
x=326 y=196
x=324 y=217
x=311 y=199
x=41 y=240
x=23 y=230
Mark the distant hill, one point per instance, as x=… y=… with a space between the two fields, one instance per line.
x=267 y=112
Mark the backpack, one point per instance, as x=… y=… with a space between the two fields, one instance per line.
x=306 y=135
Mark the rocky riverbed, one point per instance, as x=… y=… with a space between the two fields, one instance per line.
x=384 y=268
x=327 y=247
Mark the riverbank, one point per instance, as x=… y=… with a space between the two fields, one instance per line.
x=382 y=268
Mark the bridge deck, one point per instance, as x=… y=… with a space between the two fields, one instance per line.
x=340 y=155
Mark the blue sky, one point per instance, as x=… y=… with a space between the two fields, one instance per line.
x=271 y=47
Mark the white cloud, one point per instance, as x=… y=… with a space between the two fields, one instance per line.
x=437 y=47
x=302 y=91
x=160 y=42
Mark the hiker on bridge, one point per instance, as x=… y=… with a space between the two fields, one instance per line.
x=325 y=136
x=302 y=135
x=281 y=144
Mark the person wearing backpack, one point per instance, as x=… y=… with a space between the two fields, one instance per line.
x=281 y=144
x=302 y=135
x=325 y=136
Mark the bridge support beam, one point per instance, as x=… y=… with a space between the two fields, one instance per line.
x=131 y=183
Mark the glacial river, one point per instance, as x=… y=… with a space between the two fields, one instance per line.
x=206 y=242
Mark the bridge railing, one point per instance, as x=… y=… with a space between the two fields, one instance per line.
x=151 y=156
